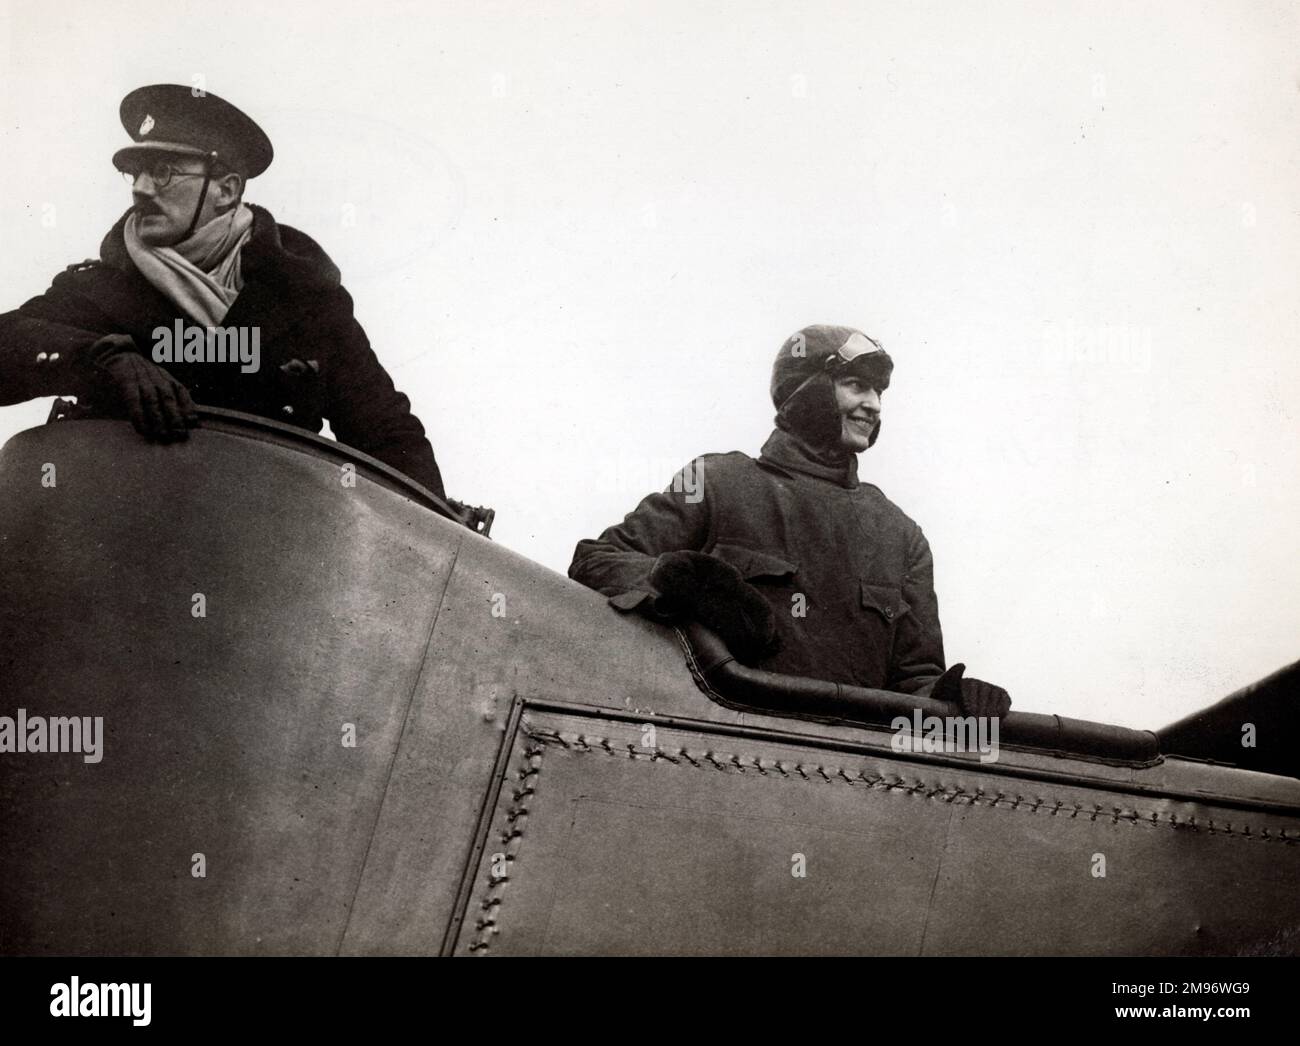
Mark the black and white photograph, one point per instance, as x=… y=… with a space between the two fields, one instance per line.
x=446 y=505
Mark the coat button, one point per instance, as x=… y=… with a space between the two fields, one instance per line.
x=287 y=409
x=41 y=357
x=889 y=611
x=53 y=356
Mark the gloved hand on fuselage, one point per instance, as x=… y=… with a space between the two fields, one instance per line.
x=158 y=405
x=708 y=590
x=972 y=696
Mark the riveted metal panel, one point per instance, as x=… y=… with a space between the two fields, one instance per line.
x=694 y=844
x=500 y=712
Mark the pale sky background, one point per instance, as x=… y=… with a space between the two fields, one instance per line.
x=577 y=234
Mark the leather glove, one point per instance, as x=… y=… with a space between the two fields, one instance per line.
x=973 y=696
x=715 y=594
x=158 y=405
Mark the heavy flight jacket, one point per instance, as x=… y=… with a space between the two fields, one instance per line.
x=292 y=293
x=849 y=576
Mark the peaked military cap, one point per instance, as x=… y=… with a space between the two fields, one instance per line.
x=171 y=118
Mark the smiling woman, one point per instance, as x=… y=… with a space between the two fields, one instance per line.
x=858 y=400
x=803 y=568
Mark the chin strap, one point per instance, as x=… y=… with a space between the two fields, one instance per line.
x=810 y=414
x=203 y=195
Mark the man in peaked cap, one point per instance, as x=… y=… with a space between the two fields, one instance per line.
x=198 y=296
x=795 y=563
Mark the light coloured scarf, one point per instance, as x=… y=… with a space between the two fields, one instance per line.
x=200 y=275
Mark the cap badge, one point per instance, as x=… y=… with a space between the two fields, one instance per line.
x=147 y=125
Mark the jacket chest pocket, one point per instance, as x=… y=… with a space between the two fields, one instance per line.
x=883 y=600
x=881 y=607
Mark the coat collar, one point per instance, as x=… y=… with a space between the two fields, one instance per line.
x=787 y=452
x=275 y=254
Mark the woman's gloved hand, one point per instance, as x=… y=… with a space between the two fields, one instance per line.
x=713 y=592
x=972 y=696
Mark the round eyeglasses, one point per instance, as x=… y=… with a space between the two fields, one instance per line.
x=160 y=173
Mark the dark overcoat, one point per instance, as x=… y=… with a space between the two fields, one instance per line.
x=292 y=294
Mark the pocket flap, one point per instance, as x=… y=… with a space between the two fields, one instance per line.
x=754 y=564
x=885 y=600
